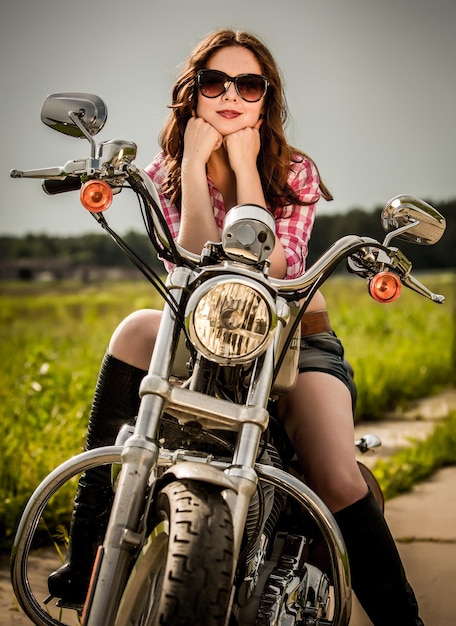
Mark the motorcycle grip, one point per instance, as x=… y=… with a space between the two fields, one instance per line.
x=53 y=187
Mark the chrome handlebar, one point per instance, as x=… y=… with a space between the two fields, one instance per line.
x=113 y=162
x=342 y=248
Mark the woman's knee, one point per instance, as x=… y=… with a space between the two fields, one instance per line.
x=134 y=338
x=340 y=488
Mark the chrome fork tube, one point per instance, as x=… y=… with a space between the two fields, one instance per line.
x=139 y=456
x=162 y=358
x=242 y=470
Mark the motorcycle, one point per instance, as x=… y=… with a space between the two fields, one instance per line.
x=212 y=522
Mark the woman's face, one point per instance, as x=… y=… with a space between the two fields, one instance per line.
x=229 y=113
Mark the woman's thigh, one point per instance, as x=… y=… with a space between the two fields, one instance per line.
x=318 y=418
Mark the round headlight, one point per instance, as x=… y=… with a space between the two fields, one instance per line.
x=231 y=321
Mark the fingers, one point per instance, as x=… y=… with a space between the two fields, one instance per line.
x=243 y=147
x=201 y=139
x=247 y=138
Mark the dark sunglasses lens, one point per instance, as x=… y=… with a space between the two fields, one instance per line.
x=251 y=87
x=211 y=84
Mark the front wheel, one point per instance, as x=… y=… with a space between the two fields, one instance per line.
x=183 y=575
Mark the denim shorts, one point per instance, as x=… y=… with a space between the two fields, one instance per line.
x=323 y=352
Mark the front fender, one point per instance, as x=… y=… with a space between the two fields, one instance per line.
x=200 y=472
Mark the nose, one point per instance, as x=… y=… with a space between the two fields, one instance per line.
x=230 y=90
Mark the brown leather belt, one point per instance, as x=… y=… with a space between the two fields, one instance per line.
x=315 y=322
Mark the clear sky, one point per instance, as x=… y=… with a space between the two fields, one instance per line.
x=371 y=87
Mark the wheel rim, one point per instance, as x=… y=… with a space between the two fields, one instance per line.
x=137 y=608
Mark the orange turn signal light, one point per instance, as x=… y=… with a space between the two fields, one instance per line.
x=385 y=287
x=96 y=196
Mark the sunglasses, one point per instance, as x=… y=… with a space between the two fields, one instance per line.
x=249 y=87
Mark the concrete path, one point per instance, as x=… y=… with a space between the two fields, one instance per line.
x=423 y=522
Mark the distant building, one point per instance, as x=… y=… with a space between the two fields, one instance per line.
x=32 y=269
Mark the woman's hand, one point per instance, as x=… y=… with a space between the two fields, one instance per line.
x=201 y=139
x=243 y=147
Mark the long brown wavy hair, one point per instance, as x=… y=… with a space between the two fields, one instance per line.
x=275 y=155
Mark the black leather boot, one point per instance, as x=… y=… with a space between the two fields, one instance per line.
x=115 y=403
x=378 y=577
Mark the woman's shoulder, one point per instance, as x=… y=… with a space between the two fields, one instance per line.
x=301 y=160
x=302 y=166
x=157 y=168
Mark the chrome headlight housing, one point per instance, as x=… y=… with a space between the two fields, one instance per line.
x=231 y=320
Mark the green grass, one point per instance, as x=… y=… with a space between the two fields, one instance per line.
x=399 y=351
x=416 y=463
x=52 y=339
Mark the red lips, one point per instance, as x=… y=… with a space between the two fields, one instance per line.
x=229 y=114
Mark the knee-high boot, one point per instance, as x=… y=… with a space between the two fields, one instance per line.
x=378 y=577
x=115 y=403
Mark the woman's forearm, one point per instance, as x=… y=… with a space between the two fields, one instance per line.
x=197 y=216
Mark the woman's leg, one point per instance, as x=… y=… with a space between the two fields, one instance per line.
x=115 y=403
x=378 y=577
x=133 y=340
x=318 y=418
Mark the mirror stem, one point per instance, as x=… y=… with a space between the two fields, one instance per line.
x=398 y=231
x=74 y=117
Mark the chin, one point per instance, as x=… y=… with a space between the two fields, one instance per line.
x=230 y=127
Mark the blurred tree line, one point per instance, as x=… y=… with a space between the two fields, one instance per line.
x=90 y=249
x=101 y=250
x=329 y=228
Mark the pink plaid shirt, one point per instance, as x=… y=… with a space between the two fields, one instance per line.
x=293 y=223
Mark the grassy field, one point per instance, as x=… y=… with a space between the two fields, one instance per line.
x=53 y=337
x=399 y=351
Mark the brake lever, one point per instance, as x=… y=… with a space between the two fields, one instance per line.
x=415 y=285
x=398 y=262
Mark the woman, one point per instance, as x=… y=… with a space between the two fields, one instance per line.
x=222 y=145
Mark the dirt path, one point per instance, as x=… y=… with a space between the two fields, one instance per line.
x=10 y=612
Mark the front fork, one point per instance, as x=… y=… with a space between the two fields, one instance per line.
x=139 y=457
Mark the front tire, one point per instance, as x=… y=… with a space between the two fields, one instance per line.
x=183 y=575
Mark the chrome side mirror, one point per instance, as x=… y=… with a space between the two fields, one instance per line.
x=412 y=220
x=75 y=114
